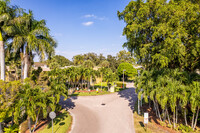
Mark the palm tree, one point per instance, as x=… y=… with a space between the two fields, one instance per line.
x=32 y=99
x=88 y=64
x=33 y=36
x=105 y=63
x=7 y=14
x=78 y=59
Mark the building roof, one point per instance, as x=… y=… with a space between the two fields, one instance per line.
x=39 y=64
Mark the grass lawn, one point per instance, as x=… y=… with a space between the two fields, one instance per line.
x=62 y=123
x=93 y=93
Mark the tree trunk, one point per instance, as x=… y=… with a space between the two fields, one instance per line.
x=158 y=111
x=185 y=116
x=26 y=65
x=193 y=120
x=82 y=83
x=174 y=121
x=36 y=121
x=168 y=116
x=1 y=131
x=2 y=60
x=29 y=124
x=196 y=118
x=155 y=108
x=22 y=62
x=176 y=114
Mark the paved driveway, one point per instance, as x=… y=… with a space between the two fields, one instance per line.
x=112 y=113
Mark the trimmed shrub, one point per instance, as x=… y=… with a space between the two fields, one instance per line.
x=120 y=84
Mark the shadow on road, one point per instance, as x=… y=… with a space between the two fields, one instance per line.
x=129 y=94
x=68 y=104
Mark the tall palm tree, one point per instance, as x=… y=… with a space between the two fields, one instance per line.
x=7 y=13
x=33 y=36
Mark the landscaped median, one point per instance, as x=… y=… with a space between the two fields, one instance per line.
x=62 y=123
x=99 y=89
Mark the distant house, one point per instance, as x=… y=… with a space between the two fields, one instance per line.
x=43 y=65
x=138 y=66
x=67 y=66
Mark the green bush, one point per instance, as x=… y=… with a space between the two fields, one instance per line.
x=120 y=84
x=185 y=129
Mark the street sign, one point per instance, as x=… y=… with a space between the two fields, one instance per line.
x=52 y=115
x=146 y=118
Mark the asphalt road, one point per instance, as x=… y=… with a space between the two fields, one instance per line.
x=111 y=113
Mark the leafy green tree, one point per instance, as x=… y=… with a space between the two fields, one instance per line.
x=114 y=63
x=163 y=34
x=105 y=63
x=78 y=59
x=88 y=64
x=91 y=56
x=60 y=60
x=129 y=70
x=124 y=56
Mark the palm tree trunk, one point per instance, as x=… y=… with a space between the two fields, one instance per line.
x=193 y=120
x=158 y=111
x=174 y=121
x=196 y=118
x=22 y=62
x=176 y=114
x=29 y=124
x=185 y=116
x=2 y=58
x=26 y=65
x=82 y=83
x=2 y=55
x=36 y=121
x=168 y=116
x=154 y=108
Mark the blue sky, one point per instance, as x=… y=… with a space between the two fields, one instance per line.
x=81 y=26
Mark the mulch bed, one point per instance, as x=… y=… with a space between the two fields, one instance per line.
x=155 y=120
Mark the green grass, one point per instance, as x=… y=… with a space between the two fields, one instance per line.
x=94 y=93
x=62 y=123
x=104 y=84
x=117 y=89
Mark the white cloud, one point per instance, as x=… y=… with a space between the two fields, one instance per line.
x=93 y=16
x=88 y=23
x=89 y=16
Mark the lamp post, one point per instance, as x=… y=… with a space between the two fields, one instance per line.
x=123 y=78
x=138 y=98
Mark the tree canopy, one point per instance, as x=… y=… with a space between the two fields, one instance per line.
x=60 y=60
x=129 y=70
x=163 y=34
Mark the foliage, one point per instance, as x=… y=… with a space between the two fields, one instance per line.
x=60 y=60
x=124 y=56
x=120 y=84
x=163 y=34
x=57 y=84
x=61 y=124
x=164 y=37
x=88 y=64
x=129 y=70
